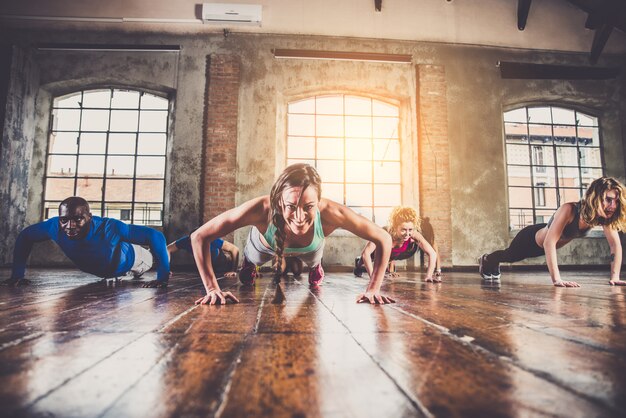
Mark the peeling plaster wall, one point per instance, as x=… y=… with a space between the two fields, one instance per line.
x=17 y=146
x=476 y=98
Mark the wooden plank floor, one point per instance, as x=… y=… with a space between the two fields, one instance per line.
x=71 y=346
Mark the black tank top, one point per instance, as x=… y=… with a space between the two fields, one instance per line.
x=572 y=229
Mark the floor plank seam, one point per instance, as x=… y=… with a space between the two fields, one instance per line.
x=85 y=370
x=164 y=357
x=588 y=344
x=64 y=382
x=176 y=318
x=537 y=373
x=421 y=408
x=18 y=341
x=98 y=302
x=227 y=381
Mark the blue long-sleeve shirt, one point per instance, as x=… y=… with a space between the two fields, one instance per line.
x=106 y=251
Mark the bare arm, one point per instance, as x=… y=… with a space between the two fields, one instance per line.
x=334 y=216
x=432 y=255
x=562 y=217
x=616 y=255
x=251 y=212
x=366 y=257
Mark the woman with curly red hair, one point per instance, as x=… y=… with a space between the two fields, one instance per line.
x=404 y=228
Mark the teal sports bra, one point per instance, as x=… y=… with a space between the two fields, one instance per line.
x=318 y=237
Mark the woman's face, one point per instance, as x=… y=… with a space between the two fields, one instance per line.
x=609 y=204
x=299 y=207
x=405 y=230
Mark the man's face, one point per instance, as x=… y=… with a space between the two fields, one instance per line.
x=74 y=221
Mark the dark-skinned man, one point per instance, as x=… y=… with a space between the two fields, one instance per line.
x=104 y=247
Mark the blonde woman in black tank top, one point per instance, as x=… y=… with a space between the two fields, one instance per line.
x=604 y=205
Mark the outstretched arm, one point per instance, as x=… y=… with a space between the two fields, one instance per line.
x=143 y=235
x=366 y=257
x=562 y=217
x=335 y=215
x=252 y=212
x=432 y=256
x=23 y=246
x=616 y=255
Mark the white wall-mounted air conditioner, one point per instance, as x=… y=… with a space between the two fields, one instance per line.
x=231 y=13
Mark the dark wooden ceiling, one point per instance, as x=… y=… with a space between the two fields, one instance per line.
x=602 y=17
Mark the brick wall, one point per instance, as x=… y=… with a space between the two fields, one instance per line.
x=220 y=140
x=434 y=156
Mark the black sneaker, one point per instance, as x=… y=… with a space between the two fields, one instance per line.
x=483 y=268
x=359 y=268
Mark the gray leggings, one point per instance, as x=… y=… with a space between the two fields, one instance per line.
x=256 y=252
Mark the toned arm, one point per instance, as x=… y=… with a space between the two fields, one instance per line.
x=335 y=216
x=253 y=212
x=563 y=216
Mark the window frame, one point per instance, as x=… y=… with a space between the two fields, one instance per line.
x=555 y=167
x=373 y=207
x=101 y=204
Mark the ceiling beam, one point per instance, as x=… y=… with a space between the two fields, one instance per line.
x=599 y=40
x=530 y=71
x=523 y=7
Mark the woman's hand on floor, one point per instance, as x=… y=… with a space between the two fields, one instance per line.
x=374 y=298
x=562 y=283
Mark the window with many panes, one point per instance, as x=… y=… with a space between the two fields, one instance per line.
x=552 y=155
x=353 y=142
x=109 y=146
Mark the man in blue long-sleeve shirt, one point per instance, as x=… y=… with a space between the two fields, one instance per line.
x=104 y=247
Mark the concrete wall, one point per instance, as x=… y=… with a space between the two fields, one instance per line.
x=476 y=97
x=17 y=143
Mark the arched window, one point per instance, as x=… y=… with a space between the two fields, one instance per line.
x=354 y=144
x=108 y=146
x=552 y=155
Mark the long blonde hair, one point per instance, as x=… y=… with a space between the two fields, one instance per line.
x=401 y=214
x=295 y=175
x=591 y=204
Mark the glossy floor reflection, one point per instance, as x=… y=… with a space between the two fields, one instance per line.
x=74 y=347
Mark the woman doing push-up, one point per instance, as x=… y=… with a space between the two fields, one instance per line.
x=291 y=222
x=604 y=205
x=404 y=228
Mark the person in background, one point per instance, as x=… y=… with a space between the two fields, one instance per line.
x=224 y=254
x=403 y=227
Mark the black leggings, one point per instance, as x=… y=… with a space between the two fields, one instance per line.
x=523 y=246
